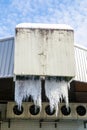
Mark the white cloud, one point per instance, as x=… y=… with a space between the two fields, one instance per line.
x=70 y=12
x=81 y=33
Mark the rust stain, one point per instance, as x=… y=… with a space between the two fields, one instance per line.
x=43 y=32
x=52 y=31
x=32 y=29
x=47 y=38
x=16 y=31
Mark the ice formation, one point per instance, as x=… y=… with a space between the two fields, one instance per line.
x=56 y=91
x=26 y=88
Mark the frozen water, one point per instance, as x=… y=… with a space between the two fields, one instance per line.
x=26 y=88
x=56 y=91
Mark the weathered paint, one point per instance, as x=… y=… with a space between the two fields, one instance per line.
x=7 y=60
x=45 y=51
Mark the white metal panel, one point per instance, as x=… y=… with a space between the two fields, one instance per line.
x=7 y=60
x=6 y=57
x=60 y=53
x=81 y=64
x=27 y=50
x=46 y=51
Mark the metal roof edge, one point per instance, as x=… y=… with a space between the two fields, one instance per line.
x=6 y=38
x=6 y=77
x=80 y=47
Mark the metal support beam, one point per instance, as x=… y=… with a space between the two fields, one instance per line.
x=41 y=123
x=48 y=121
x=85 y=122
x=9 y=123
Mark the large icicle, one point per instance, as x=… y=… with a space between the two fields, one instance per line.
x=26 y=88
x=56 y=91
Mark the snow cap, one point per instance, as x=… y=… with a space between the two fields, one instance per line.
x=44 y=26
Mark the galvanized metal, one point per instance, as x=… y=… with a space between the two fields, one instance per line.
x=81 y=63
x=6 y=57
x=44 y=51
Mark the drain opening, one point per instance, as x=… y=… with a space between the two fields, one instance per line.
x=34 y=110
x=81 y=110
x=17 y=111
x=48 y=111
x=65 y=111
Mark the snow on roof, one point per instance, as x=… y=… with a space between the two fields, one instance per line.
x=44 y=26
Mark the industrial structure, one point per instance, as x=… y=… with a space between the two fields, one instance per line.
x=33 y=47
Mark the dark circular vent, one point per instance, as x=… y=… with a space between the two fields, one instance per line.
x=48 y=111
x=34 y=110
x=65 y=111
x=17 y=111
x=81 y=110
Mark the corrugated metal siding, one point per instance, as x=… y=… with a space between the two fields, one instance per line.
x=6 y=57
x=44 y=52
x=7 y=60
x=81 y=63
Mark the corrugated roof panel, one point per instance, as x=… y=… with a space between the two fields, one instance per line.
x=6 y=57
x=81 y=64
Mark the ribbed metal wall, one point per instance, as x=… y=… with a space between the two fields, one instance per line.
x=44 y=52
x=6 y=57
x=81 y=63
x=7 y=60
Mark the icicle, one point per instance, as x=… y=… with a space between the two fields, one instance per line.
x=55 y=92
x=26 y=88
x=19 y=93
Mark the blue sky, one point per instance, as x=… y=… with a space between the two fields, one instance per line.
x=72 y=12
